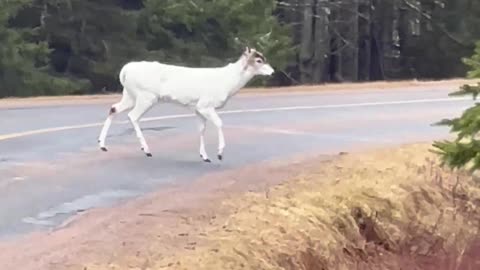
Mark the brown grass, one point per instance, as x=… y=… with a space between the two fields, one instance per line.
x=388 y=209
x=111 y=98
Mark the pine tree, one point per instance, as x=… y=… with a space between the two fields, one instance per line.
x=16 y=56
x=91 y=40
x=24 y=62
x=464 y=151
x=209 y=33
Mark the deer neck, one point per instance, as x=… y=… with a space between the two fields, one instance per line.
x=240 y=75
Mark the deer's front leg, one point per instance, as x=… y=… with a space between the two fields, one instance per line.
x=212 y=115
x=202 y=121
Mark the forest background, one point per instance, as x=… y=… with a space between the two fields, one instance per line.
x=53 y=47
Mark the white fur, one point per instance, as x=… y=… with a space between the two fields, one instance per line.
x=202 y=89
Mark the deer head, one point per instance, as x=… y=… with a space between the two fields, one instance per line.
x=256 y=62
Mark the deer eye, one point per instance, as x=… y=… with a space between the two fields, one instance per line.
x=259 y=61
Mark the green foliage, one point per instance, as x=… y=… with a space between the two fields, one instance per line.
x=16 y=56
x=468 y=90
x=474 y=63
x=464 y=151
x=78 y=46
x=24 y=64
x=209 y=32
x=91 y=39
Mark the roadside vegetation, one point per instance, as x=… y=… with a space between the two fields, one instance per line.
x=394 y=208
x=464 y=151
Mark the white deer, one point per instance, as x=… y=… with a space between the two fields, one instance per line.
x=204 y=90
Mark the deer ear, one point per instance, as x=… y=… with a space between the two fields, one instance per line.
x=247 y=49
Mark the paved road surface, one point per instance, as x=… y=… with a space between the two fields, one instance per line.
x=51 y=168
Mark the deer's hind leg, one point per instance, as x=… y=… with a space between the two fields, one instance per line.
x=143 y=104
x=125 y=103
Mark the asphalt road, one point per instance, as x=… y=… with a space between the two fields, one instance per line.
x=51 y=167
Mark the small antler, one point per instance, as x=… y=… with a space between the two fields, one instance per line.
x=247 y=51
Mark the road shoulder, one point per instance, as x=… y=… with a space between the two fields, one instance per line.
x=451 y=84
x=251 y=216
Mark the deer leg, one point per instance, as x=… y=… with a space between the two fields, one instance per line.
x=143 y=104
x=212 y=115
x=201 y=128
x=125 y=103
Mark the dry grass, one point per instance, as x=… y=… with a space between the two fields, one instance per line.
x=111 y=98
x=387 y=209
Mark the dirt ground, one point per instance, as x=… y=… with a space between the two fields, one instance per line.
x=112 y=98
x=108 y=235
x=377 y=209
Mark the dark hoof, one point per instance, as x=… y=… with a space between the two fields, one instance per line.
x=205 y=159
x=104 y=149
x=149 y=154
x=220 y=157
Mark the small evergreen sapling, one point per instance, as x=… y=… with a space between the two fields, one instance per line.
x=464 y=151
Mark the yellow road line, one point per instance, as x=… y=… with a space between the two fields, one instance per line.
x=45 y=130
x=240 y=111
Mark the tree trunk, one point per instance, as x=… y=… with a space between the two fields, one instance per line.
x=365 y=40
x=322 y=42
x=349 y=55
x=306 y=45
